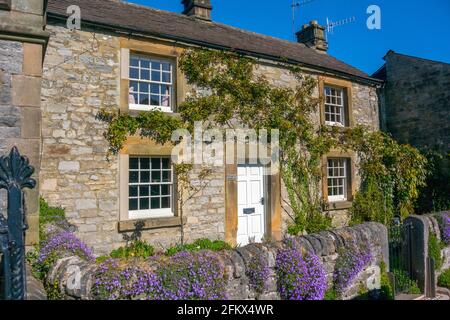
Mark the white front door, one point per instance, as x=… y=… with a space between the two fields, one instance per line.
x=251 y=213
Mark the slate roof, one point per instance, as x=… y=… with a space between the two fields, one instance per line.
x=144 y=20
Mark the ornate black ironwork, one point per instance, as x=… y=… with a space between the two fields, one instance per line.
x=15 y=174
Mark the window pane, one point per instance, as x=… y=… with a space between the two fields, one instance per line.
x=154 y=100
x=166 y=66
x=145 y=163
x=143 y=99
x=156 y=163
x=143 y=191
x=134 y=163
x=165 y=163
x=143 y=87
x=165 y=190
x=156 y=176
x=166 y=176
x=134 y=62
x=133 y=191
x=155 y=190
x=133 y=204
x=155 y=88
x=145 y=74
x=166 y=77
x=134 y=177
x=134 y=73
x=144 y=204
x=133 y=86
x=165 y=202
x=156 y=76
x=156 y=203
x=145 y=64
x=145 y=176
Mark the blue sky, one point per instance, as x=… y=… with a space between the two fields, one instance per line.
x=418 y=28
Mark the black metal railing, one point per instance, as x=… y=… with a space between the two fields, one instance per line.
x=15 y=175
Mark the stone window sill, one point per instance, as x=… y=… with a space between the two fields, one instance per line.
x=155 y=223
x=341 y=205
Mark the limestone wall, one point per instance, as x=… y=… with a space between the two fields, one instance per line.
x=75 y=277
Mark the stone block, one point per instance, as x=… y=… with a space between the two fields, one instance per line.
x=83 y=204
x=49 y=184
x=32 y=58
x=30 y=122
x=26 y=91
x=69 y=166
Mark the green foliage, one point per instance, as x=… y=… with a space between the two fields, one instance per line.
x=434 y=250
x=391 y=174
x=435 y=196
x=444 y=279
x=136 y=249
x=52 y=291
x=404 y=284
x=49 y=214
x=198 y=245
x=387 y=293
x=331 y=294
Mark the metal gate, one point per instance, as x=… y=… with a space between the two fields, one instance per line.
x=401 y=248
x=15 y=174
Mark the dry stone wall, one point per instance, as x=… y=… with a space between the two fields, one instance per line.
x=325 y=245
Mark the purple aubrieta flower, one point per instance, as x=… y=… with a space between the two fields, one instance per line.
x=61 y=244
x=351 y=261
x=300 y=275
x=258 y=272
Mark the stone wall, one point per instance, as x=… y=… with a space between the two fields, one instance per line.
x=75 y=277
x=416 y=101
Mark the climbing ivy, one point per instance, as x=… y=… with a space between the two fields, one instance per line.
x=230 y=91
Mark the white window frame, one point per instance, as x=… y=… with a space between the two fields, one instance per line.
x=342 y=164
x=340 y=94
x=151 y=213
x=171 y=84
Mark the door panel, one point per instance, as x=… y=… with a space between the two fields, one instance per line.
x=251 y=211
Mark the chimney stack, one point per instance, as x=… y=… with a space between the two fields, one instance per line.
x=200 y=9
x=313 y=36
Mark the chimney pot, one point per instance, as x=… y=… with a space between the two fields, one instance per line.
x=313 y=36
x=200 y=9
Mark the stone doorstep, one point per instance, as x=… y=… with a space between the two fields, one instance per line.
x=404 y=297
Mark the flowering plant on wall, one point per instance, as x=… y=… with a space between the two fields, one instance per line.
x=300 y=275
x=192 y=276
x=258 y=272
x=351 y=261
x=59 y=244
x=129 y=282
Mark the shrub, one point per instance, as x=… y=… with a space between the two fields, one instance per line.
x=258 y=272
x=58 y=245
x=404 y=283
x=192 y=276
x=300 y=275
x=444 y=279
x=136 y=249
x=200 y=244
x=386 y=291
x=131 y=282
x=350 y=263
x=434 y=250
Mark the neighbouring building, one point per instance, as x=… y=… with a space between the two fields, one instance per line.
x=22 y=45
x=125 y=57
x=415 y=100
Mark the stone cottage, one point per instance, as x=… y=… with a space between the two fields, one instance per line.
x=125 y=57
